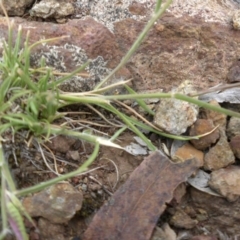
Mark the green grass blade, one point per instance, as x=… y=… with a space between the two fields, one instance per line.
x=140 y=102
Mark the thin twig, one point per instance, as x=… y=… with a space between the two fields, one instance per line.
x=218 y=88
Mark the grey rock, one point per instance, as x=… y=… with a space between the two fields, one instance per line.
x=58 y=203
x=233 y=127
x=52 y=9
x=16 y=7
x=175 y=116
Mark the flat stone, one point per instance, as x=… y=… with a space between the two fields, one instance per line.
x=235 y=145
x=202 y=126
x=226 y=182
x=220 y=155
x=58 y=203
x=187 y=48
x=187 y=151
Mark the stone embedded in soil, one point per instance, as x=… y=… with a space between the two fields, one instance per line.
x=187 y=151
x=233 y=127
x=179 y=192
x=217 y=118
x=50 y=231
x=226 y=182
x=220 y=155
x=236 y=20
x=58 y=203
x=223 y=216
x=180 y=219
x=202 y=126
x=73 y=155
x=235 y=145
x=165 y=232
x=61 y=143
x=234 y=73
x=16 y=7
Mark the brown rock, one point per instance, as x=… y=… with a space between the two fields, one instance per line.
x=187 y=48
x=179 y=193
x=137 y=8
x=165 y=233
x=217 y=118
x=202 y=126
x=234 y=73
x=57 y=203
x=220 y=155
x=50 y=231
x=87 y=39
x=233 y=127
x=187 y=151
x=61 y=143
x=223 y=215
x=235 y=145
x=226 y=182
x=182 y=220
x=16 y=7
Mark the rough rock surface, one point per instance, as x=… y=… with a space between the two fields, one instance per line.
x=16 y=7
x=215 y=210
x=219 y=119
x=189 y=48
x=234 y=73
x=226 y=182
x=187 y=151
x=49 y=230
x=52 y=9
x=181 y=219
x=220 y=155
x=202 y=126
x=235 y=146
x=175 y=116
x=233 y=127
x=58 y=203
